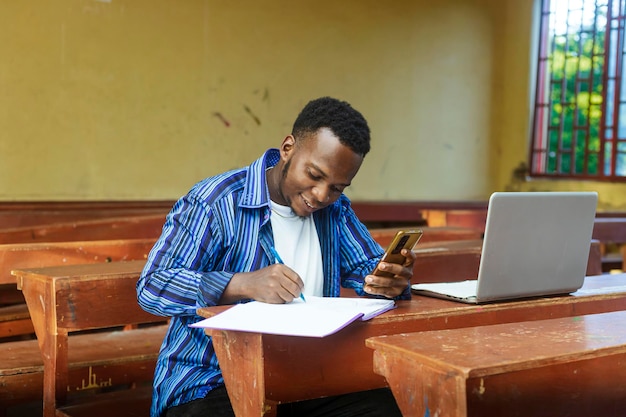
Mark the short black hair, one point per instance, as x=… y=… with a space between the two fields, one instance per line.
x=344 y=121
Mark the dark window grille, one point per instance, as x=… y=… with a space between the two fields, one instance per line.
x=579 y=123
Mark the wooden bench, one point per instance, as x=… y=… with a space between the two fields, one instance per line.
x=129 y=226
x=15 y=322
x=377 y=214
x=14 y=316
x=20 y=213
x=611 y=232
x=126 y=227
x=474 y=218
x=459 y=260
x=41 y=254
x=382 y=214
x=431 y=234
x=31 y=218
x=77 y=366
x=572 y=366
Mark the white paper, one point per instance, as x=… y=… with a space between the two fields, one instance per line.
x=461 y=289
x=317 y=317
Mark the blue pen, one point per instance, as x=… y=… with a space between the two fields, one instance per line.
x=280 y=261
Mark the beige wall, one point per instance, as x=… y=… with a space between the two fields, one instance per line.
x=127 y=99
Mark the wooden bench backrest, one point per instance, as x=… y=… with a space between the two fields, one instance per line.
x=38 y=255
x=30 y=218
x=129 y=227
x=42 y=254
x=431 y=234
x=31 y=213
x=610 y=230
x=403 y=213
x=459 y=260
x=65 y=299
x=474 y=218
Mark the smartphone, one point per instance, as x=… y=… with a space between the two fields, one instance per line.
x=404 y=239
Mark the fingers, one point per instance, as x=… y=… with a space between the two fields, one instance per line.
x=281 y=284
x=387 y=286
x=410 y=258
x=392 y=286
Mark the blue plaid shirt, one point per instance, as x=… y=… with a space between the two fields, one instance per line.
x=219 y=228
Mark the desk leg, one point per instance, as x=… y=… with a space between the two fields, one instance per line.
x=419 y=390
x=52 y=343
x=244 y=374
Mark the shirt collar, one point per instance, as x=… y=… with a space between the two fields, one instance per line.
x=256 y=193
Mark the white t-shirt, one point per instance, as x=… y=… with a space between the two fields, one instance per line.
x=297 y=243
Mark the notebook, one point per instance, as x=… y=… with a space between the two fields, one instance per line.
x=535 y=244
x=317 y=317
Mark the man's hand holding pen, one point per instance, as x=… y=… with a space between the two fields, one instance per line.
x=275 y=284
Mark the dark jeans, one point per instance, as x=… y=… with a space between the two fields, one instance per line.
x=375 y=403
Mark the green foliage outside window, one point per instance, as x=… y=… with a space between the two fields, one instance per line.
x=576 y=104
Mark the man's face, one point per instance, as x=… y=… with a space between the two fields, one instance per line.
x=315 y=171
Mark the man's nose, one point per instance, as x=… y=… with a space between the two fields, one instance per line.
x=322 y=194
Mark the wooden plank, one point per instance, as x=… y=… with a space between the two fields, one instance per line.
x=475 y=218
x=42 y=254
x=15 y=322
x=610 y=229
x=403 y=213
x=129 y=227
x=86 y=206
x=611 y=232
x=431 y=234
x=11 y=220
x=94 y=360
x=447 y=261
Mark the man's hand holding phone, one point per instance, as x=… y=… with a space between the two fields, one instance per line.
x=393 y=273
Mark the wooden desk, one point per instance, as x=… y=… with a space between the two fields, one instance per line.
x=65 y=300
x=261 y=371
x=554 y=367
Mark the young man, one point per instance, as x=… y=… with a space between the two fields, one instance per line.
x=217 y=248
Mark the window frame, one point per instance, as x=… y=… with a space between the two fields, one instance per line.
x=560 y=162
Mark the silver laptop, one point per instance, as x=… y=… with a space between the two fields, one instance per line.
x=536 y=244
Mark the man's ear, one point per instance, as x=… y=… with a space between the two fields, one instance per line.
x=288 y=145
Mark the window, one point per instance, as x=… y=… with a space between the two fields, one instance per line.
x=579 y=123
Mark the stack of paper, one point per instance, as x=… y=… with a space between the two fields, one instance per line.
x=317 y=317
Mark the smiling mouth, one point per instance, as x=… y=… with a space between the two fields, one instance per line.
x=306 y=203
